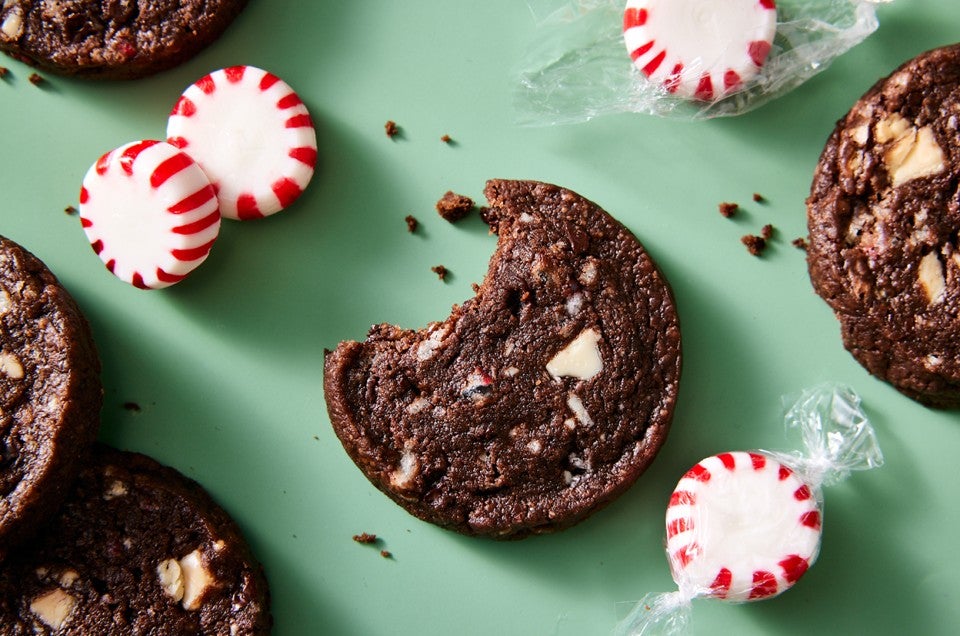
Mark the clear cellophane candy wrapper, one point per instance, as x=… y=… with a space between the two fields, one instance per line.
x=578 y=67
x=837 y=439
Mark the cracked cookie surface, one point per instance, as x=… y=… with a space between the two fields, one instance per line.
x=883 y=216
x=537 y=401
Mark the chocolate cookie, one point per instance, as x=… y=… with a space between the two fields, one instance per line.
x=883 y=215
x=137 y=549
x=50 y=393
x=537 y=401
x=119 y=39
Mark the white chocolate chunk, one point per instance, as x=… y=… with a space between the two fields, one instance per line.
x=580 y=359
x=588 y=274
x=574 y=304
x=855 y=162
x=930 y=274
x=10 y=366
x=579 y=410
x=12 y=27
x=402 y=476
x=53 y=608
x=913 y=155
x=5 y=302
x=171 y=579
x=196 y=579
x=68 y=578
x=116 y=489
x=428 y=347
x=892 y=127
x=417 y=405
x=534 y=446
x=860 y=134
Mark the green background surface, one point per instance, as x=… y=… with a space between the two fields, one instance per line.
x=227 y=366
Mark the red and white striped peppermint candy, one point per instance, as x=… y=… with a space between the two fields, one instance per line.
x=251 y=134
x=149 y=212
x=704 y=49
x=741 y=527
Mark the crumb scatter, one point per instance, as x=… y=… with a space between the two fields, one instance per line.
x=755 y=244
x=728 y=209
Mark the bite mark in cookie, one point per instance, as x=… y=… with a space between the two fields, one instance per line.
x=537 y=401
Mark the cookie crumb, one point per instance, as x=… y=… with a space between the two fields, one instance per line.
x=755 y=244
x=446 y=139
x=3 y=71
x=411 y=223
x=70 y=210
x=440 y=271
x=453 y=207
x=391 y=128
x=758 y=198
x=386 y=554
x=800 y=243
x=316 y=437
x=133 y=407
x=767 y=231
x=36 y=79
x=365 y=538
x=728 y=209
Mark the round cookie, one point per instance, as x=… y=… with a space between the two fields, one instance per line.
x=111 y=40
x=137 y=549
x=537 y=401
x=883 y=216
x=50 y=393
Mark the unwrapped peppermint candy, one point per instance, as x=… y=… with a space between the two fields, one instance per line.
x=149 y=212
x=251 y=134
x=745 y=526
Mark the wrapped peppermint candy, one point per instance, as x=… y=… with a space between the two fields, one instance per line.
x=745 y=526
x=691 y=59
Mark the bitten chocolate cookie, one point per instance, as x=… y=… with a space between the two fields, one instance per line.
x=537 y=401
x=121 y=39
x=137 y=549
x=50 y=393
x=883 y=215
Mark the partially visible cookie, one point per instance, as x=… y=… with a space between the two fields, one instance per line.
x=121 y=39
x=884 y=215
x=537 y=401
x=50 y=393
x=137 y=549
